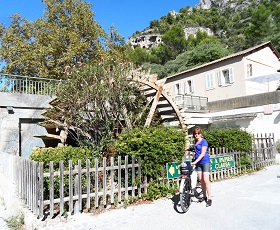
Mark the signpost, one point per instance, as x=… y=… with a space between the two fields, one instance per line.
x=173 y=170
x=222 y=162
x=217 y=163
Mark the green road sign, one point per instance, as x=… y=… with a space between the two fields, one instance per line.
x=173 y=170
x=222 y=162
x=217 y=163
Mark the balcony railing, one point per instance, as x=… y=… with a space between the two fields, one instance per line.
x=29 y=85
x=191 y=103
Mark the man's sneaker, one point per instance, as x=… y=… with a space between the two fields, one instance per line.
x=208 y=203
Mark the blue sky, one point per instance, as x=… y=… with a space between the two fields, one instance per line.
x=126 y=16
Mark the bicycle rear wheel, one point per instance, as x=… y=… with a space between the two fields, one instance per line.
x=185 y=196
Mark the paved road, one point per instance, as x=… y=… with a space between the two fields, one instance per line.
x=250 y=202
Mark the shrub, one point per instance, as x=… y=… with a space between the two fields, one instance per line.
x=245 y=161
x=230 y=138
x=155 y=146
x=157 y=190
x=16 y=222
x=65 y=154
x=278 y=146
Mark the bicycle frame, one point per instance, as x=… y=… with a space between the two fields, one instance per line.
x=188 y=185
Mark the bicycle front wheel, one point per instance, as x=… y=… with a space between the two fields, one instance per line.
x=185 y=196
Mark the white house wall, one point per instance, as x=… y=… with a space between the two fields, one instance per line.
x=264 y=67
x=264 y=62
x=235 y=89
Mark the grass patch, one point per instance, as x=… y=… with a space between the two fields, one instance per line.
x=16 y=222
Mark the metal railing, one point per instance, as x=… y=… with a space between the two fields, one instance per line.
x=29 y=85
x=191 y=103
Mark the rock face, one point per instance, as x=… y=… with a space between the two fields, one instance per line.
x=238 y=5
x=206 y=4
x=145 y=41
x=193 y=30
x=152 y=40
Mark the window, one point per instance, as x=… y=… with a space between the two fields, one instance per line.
x=249 y=70
x=189 y=87
x=210 y=81
x=178 y=88
x=225 y=77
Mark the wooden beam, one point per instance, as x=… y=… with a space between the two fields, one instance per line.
x=154 y=106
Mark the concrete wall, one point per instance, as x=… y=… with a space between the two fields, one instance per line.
x=255 y=114
x=246 y=101
x=19 y=125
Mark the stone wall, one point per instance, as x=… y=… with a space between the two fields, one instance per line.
x=19 y=124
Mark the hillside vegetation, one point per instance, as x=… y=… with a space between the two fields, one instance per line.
x=236 y=26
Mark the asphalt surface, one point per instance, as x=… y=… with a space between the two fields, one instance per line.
x=249 y=202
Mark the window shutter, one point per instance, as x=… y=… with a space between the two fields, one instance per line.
x=213 y=81
x=180 y=91
x=219 y=76
x=186 y=87
x=231 y=77
x=192 y=86
x=175 y=90
x=207 y=81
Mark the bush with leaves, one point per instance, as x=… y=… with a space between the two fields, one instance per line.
x=278 y=146
x=230 y=138
x=158 y=190
x=245 y=160
x=66 y=153
x=156 y=147
x=46 y=155
x=233 y=139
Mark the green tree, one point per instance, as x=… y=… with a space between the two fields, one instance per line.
x=206 y=53
x=275 y=36
x=97 y=100
x=260 y=26
x=158 y=69
x=139 y=55
x=160 y=54
x=66 y=35
x=154 y=24
x=177 y=65
x=175 y=41
x=17 y=47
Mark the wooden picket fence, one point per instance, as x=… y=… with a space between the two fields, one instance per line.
x=52 y=189
x=90 y=187
x=99 y=184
